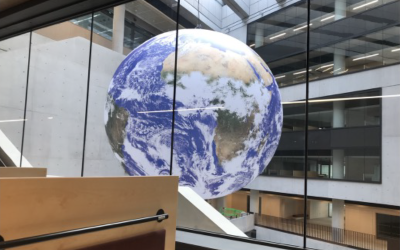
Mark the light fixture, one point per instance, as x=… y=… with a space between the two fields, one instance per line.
x=363 y=57
x=278 y=77
x=344 y=71
x=252 y=45
x=178 y=110
x=336 y=70
x=325 y=66
x=326 y=18
x=327 y=69
x=300 y=72
x=366 y=4
x=396 y=50
x=50 y=118
x=302 y=27
x=271 y=38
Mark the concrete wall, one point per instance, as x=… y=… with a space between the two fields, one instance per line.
x=245 y=223
x=56 y=103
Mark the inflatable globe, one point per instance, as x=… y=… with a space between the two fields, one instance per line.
x=228 y=113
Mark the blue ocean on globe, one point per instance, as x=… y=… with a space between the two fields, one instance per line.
x=228 y=112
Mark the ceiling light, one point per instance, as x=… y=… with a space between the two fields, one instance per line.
x=252 y=45
x=396 y=50
x=302 y=27
x=277 y=36
x=363 y=57
x=278 y=77
x=327 y=69
x=325 y=66
x=326 y=18
x=300 y=72
x=366 y=4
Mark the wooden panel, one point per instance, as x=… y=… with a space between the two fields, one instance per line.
x=150 y=241
x=22 y=172
x=34 y=206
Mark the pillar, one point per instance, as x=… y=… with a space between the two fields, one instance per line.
x=118 y=29
x=338 y=214
x=339 y=54
x=338 y=118
x=340 y=9
x=220 y=203
x=339 y=61
x=338 y=121
x=254 y=201
x=259 y=38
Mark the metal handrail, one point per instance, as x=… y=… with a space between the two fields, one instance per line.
x=160 y=216
x=322 y=232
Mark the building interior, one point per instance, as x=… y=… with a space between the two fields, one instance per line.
x=332 y=182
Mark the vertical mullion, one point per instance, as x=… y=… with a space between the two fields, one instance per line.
x=87 y=96
x=306 y=125
x=174 y=94
x=26 y=99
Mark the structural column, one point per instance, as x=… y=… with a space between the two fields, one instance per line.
x=259 y=38
x=338 y=214
x=339 y=54
x=340 y=9
x=218 y=203
x=118 y=29
x=338 y=121
x=254 y=201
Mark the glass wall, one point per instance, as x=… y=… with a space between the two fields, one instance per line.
x=111 y=92
x=14 y=58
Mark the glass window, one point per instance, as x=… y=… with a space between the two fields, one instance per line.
x=57 y=98
x=130 y=135
x=14 y=56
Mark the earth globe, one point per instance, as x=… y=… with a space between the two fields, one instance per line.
x=222 y=105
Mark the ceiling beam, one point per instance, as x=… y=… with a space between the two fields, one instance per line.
x=239 y=7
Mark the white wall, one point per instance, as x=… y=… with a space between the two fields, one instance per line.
x=244 y=223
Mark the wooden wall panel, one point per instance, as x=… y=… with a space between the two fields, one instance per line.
x=34 y=206
x=22 y=172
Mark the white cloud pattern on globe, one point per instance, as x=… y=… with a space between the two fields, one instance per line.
x=228 y=112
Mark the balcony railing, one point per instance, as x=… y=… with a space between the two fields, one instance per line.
x=321 y=232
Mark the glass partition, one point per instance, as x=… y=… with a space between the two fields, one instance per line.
x=56 y=101
x=14 y=59
x=349 y=122
x=116 y=115
x=109 y=94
